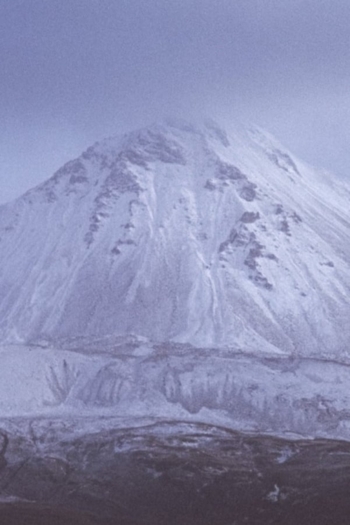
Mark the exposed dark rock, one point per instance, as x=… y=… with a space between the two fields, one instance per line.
x=40 y=514
x=122 y=181
x=328 y=263
x=51 y=196
x=210 y=185
x=73 y=167
x=284 y=224
x=149 y=146
x=90 y=153
x=283 y=160
x=77 y=179
x=296 y=218
x=229 y=241
x=218 y=133
x=279 y=209
x=248 y=192
x=249 y=217
x=128 y=242
x=241 y=240
x=262 y=281
x=229 y=172
x=176 y=473
x=284 y=227
x=4 y=441
x=134 y=157
x=254 y=253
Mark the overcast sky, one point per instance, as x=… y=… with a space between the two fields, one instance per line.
x=74 y=71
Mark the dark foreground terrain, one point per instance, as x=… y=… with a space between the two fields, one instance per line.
x=171 y=474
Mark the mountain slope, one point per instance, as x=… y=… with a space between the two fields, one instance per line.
x=183 y=234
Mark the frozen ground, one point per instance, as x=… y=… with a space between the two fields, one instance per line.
x=272 y=394
x=170 y=472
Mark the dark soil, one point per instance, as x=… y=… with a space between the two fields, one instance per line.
x=175 y=475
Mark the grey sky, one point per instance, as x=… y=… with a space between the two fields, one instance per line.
x=74 y=71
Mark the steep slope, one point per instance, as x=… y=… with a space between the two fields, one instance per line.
x=182 y=234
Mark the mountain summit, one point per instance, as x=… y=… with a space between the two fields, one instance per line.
x=182 y=234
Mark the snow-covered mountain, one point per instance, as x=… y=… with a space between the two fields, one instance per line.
x=181 y=234
x=173 y=303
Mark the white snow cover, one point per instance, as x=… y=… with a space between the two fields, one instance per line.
x=135 y=384
x=212 y=265
x=181 y=234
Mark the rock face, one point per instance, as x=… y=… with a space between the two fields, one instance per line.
x=181 y=234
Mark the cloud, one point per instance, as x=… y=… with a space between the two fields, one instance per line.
x=84 y=69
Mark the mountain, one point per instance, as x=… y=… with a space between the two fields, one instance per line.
x=181 y=234
x=180 y=272
x=174 y=335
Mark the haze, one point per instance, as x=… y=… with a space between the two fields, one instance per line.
x=74 y=71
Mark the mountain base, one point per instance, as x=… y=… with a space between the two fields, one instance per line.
x=174 y=473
